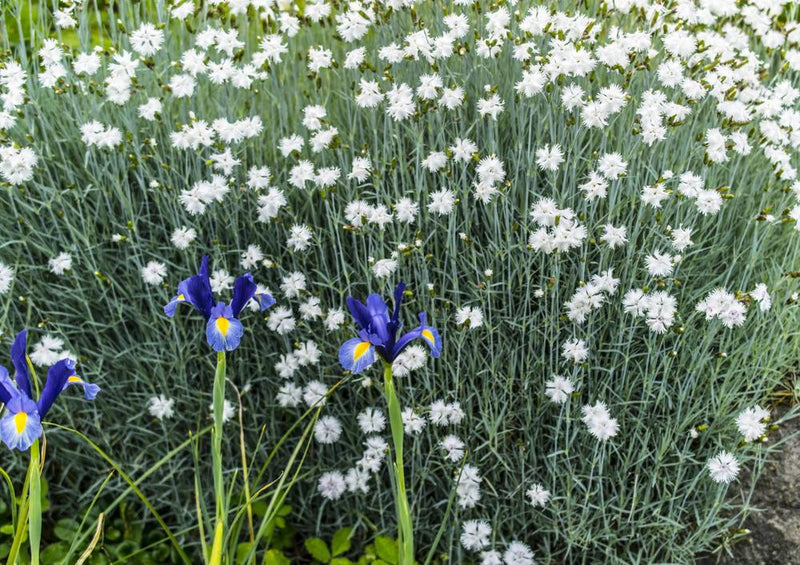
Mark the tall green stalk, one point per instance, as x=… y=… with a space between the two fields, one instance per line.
x=35 y=516
x=405 y=530
x=216 y=460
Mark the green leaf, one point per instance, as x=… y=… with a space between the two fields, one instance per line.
x=318 y=549
x=340 y=561
x=127 y=548
x=274 y=557
x=386 y=548
x=55 y=552
x=259 y=508
x=65 y=529
x=7 y=529
x=241 y=552
x=341 y=541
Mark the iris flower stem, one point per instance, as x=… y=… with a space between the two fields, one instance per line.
x=216 y=460
x=22 y=521
x=35 y=515
x=405 y=531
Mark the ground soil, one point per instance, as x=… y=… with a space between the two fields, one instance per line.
x=775 y=528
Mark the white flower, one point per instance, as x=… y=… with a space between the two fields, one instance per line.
x=86 y=64
x=749 y=423
x=682 y=239
x=615 y=236
x=357 y=480
x=154 y=273
x=331 y=485
x=600 y=423
x=558 y=389
x=384 y=268
x=761 y=295
x=413 y=423
x=289 y=396
x=48 y=351
x=360 y=169
x=314 y=394
x=161 y=407
x=182 y=86
x=442 y=202
x=6 y=277
x=149 y=109
x=293 y=284
x=491 y=106
x=334 y=319
x=723 y=467
x=659 y=264
x=538 y=495
x=612 y=166
x=251 y=257
x=471 y=317
x=221 y=280
x=411 y=359
x=406 y=211
x=371 y=420
x=227 y=410
x=147 y=40
x=518 y=554
x=575 y=350
x=549 y=158
x=654 y=195
x=17 y=165
x=281 y=320
x=183 y=237
x=475 y=534
x=327 y=430
x=468 y=488
x=61 y=263
x=453 y=447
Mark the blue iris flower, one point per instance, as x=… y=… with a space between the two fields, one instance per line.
x=21 y=424
x=378 y=332
x=223 y=329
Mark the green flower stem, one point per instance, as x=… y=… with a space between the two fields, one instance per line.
x=216 y=460
x=35 y=515
x=22 y=521
x=405 y=530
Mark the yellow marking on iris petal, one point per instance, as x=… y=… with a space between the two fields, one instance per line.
x=20 y=419
x=75 y=379
x=428 y=334
x=222 y=326
x=360 y=350
x=180 y=298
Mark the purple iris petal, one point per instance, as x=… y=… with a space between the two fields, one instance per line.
x=223 y=331
x=360 y=312
x=265 y=300
x=21 y=425
x=379 y=320
x=197 y=290
x=57 y=377
x=20 y=362
x=244 y=289
x=7 y=388
x=398 y=300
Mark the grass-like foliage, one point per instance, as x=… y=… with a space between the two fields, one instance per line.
x=593 y=202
